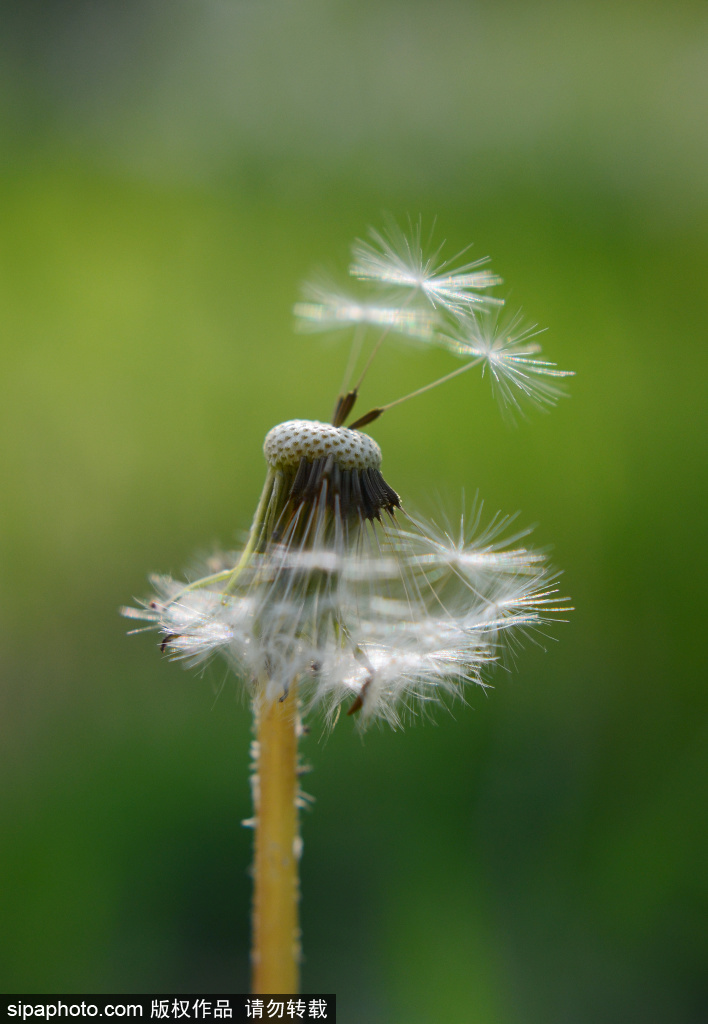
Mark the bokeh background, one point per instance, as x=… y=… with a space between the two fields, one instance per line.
x=169 y=174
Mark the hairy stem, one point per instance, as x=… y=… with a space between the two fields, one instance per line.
x=275 y=954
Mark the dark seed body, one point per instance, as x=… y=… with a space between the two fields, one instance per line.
x=354 y=492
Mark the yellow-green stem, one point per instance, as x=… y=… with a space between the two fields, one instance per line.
x=275 y=954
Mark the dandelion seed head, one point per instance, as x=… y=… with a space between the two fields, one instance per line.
x=338 y=590
x=288 y=443
x=384 y=617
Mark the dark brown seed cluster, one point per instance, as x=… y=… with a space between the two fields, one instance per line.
x=350 y=493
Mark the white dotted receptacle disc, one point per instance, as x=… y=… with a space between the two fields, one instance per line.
x=289 y=442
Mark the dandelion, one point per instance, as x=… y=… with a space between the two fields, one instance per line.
x=341 y=600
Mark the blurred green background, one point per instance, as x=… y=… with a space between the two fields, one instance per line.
x=169 y=174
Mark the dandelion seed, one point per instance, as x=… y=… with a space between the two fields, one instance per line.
x=506 y=348
x=475 y=554
x=397 y=259
x=327 y=309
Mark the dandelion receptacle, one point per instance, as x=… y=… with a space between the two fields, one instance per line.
x=341 y=599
